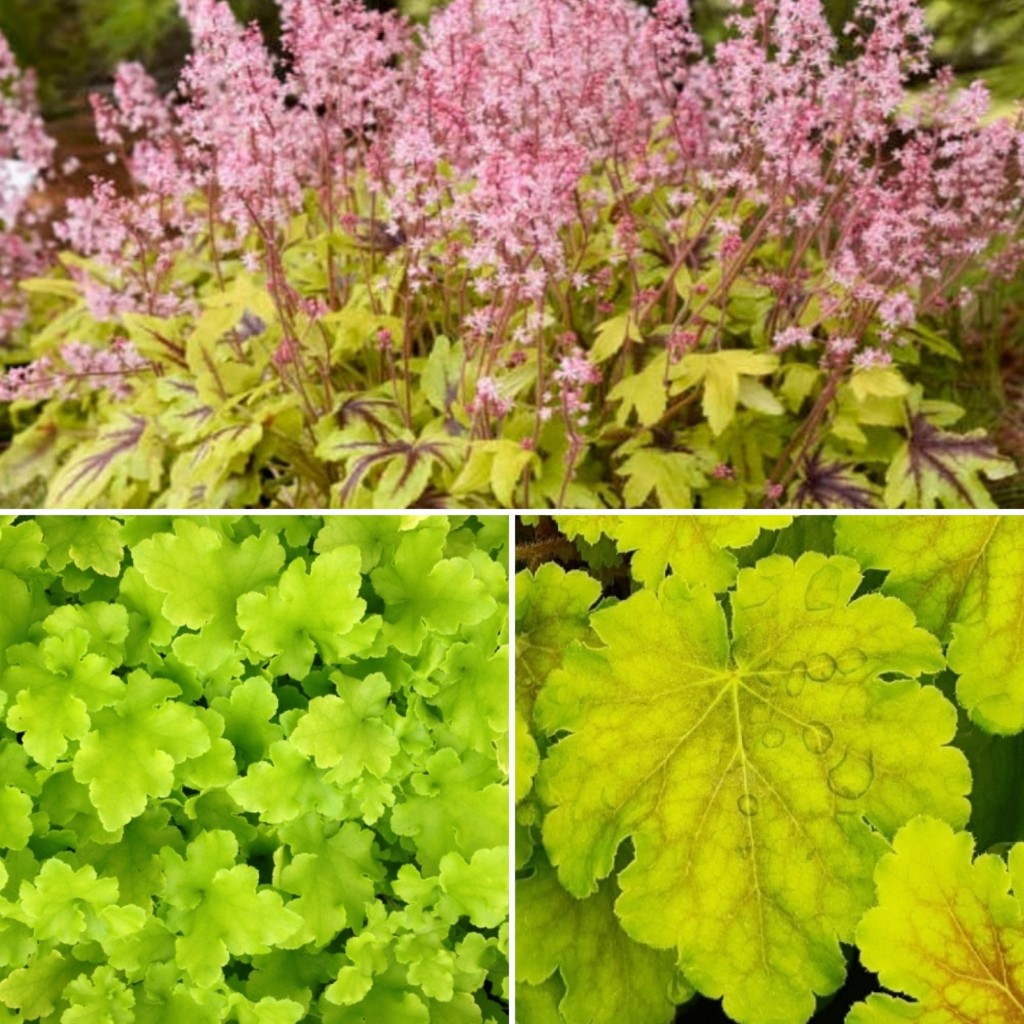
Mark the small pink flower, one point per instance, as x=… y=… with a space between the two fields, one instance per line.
x=488 y=399
x=792 y=337
x=285 y=353
x=872 y=357
x=680 y=342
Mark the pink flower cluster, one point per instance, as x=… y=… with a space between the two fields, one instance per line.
x=498 y=142
x=570 y=380
x=513 y=102
x=488 y=401
x=243 y=131
x=79 y=368
x=478 y=139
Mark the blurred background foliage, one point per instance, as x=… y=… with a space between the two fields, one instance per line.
x=74 y=44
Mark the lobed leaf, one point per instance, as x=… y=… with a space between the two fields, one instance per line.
x=695 y=548
x=947 y=931
x=737 y=750
x=202 y=575
x=939 y=469
x=130 y=755
x=308 y=613
x=606 y=975
x=963 y=578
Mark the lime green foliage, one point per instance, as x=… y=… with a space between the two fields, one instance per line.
x=581 y=937
x=723 y=734
x=527 y=757
x=697 y=549
x=130 y=754
x=351 y=734
x=241 y=782
x=306 y=612
x=552 y=610
x=964 y=580
x=203 y=574
x=707 y=772
x=947 y=931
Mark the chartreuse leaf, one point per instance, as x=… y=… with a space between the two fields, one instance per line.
x=423 y=591
x=203 y=574
x=606 y=975
x=131 y=754
x=672 y=476
x=21 y=605
x=36 y=988
x=90 y=542
x=55 y=686
x=106 y=624
x=453 y=805
x=473 y=696
x=947 y=932
x=539 y=1004
x=22 y=550
x=125 y=450
x=285 y=787
x=217 y=909
x=148 y=628
x=724 y=375
x=376 y=537
x=527 y=757
x=729 y=759
x=612 y=335
x=644 y=391
x=695 y=548
x=935 y=563
x=351 y=733
x=552 y=609
x=100 y=998
x=267 y=1010
x=964 y=578
x=134 y=861
x=399 y=970
x=334 y=879
x=476 y=888
x=940 y=469
x=308 y=613
x=15 y=818
x=248 y=715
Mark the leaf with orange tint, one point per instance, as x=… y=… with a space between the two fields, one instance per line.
x=947 y=931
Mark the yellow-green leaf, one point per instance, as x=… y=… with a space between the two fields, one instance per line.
x=947 y=931
x=756 y=765
x=612 y=335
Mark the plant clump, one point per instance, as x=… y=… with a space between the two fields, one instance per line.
x=539 y=253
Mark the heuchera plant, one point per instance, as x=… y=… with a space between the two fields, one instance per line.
x=547 y=252
x=253 y=770
x=778 y=764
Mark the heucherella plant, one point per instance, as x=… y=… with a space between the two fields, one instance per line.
x=540 y=253
x=811 y=749
x=253 y=769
